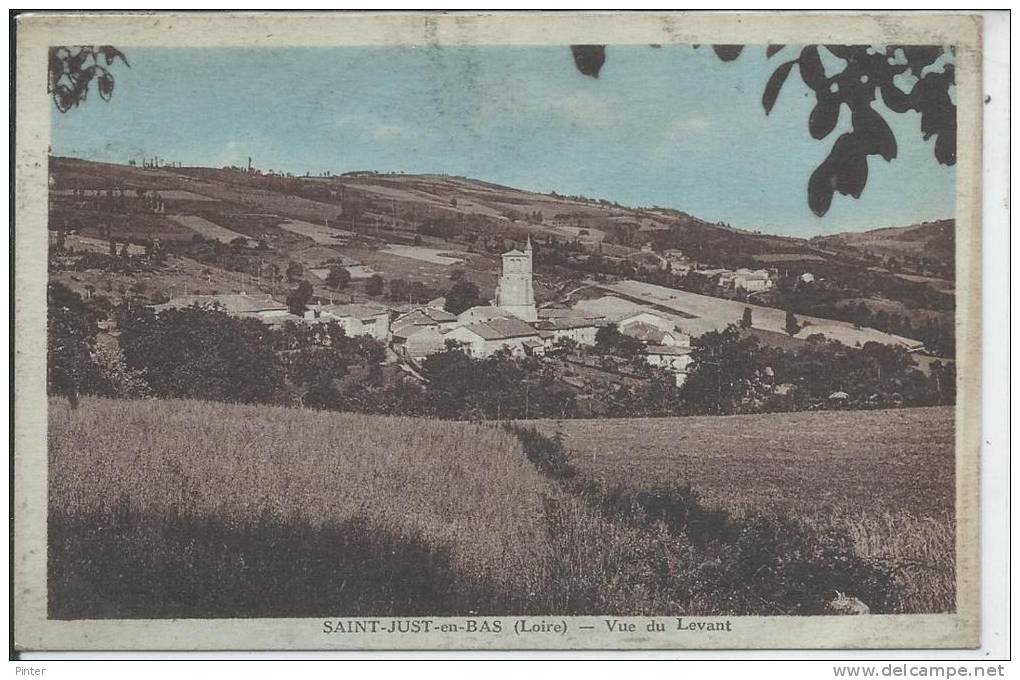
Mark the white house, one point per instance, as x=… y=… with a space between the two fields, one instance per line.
x=676 y=360
x=419 y=332
x=356 y=319
x=580 y=329
x=753 y=281
x=418 y=342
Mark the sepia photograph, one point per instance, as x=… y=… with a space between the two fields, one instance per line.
x=523 y=339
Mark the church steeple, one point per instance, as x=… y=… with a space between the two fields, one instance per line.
x=514 y=292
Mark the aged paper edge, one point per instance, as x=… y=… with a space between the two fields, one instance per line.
x=32 y=631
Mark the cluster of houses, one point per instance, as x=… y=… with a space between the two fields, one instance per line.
x=511 y=323
x=747 y=280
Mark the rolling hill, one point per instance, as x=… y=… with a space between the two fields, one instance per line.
x=926 y=247
x=397 y=206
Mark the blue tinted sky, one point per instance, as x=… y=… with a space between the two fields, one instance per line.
x=674 y=126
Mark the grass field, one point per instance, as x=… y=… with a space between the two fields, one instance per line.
x=433 y=255
x=167 y=508
x=319 y=233
x=887 y=477
x=460 y=496
x=889 y=460
x=206 y=229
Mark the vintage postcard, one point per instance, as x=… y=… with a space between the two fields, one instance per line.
x=497 y=331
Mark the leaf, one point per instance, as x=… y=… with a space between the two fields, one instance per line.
x=945 y=147
x=920 y=56
x=104 y=83
x=849 y=162
x=728 y=52
x=111 y=54
x=774 y=85
x=896 y=99
x=62 y=98
x=852 y=175
x=811 y=70
x=772 y=50
x=589 y=58
x=874 y=134
x=845 y=52
x=823 y=117
x=820 y=188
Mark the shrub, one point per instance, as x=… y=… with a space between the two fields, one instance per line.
x=545 y=453
x=759 y=565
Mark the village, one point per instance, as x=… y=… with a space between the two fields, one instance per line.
x=511 y=323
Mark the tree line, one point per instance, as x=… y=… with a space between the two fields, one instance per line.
x=208 y=354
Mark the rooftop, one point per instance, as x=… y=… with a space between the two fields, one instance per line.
x=566 y=322
x=356 y=311
x=426 y=316
x=231 y=303
x=485 y=311
x=645 y=332
x=497 y=329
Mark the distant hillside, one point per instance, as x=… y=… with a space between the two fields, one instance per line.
x=397 y=205
x=926 y=248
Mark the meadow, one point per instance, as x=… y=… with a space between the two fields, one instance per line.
x=886 y=478
x=205 y=228
x=172 y=508
x=262 y=475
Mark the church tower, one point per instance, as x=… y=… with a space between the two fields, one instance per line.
x=514 y=292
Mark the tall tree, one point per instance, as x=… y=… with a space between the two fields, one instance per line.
x=374 y=285
x=745 y=320
x=71 y=328
x=295 y=271
x=791 y=325
x=338 y=277
x=726 y=372
x=298 y=299
x=462 y=295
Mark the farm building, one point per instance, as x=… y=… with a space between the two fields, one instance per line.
x=486 y=338
x=261 y=307
x=649 y=318
x=655 y=335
